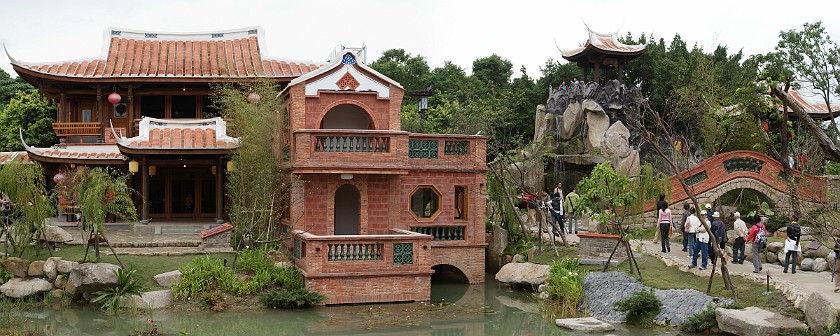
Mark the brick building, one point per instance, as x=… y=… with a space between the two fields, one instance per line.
x=380 y=210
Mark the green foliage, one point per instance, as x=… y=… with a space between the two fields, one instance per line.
x=100 y=191
x=213 y=301
x=203 y=274
x=611 y=196
x=254 y=188
x=776 y=222
x=109 y=299
x=705 y=319
x=565 y=283
x=641 y=308
x=25 y=185
x=291 y=298
x=33 y=114
x=9 y=87
x=763 y=210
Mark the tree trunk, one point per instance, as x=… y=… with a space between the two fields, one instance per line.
x=832 y=153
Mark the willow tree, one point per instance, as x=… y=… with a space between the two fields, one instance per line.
x=257 y=189
x=31 y=203
x=99 y=192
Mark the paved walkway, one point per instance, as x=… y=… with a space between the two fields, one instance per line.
x=810 y=291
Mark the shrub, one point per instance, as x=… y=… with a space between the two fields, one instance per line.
x=204 y=274
x=776 y=222
x=291 y=298
x=565 y=282
x=641 y=308
x=705 y=319
x=109 y=299
x=253 y=260
x=214 y=301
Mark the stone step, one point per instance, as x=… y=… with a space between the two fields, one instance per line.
x=163 y=251
x=141 y=244
x=180 y=229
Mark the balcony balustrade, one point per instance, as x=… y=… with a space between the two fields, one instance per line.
x=63 y=129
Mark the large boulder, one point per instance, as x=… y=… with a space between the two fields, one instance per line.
x=585 y=324
x=819 y=265
x=523 y=274
x=781 y=257
x=597 y=123
x=497 y=243
x=572 y=119
x=820 y=252
x=157 y=299
x=807 y=264
x=91 y=277
x=630 y=166
x=65 y=266
x=19 y=288
x=773 y=258
x=819 y=312
x=16 y=266
x=775 y=247
x=168 y=278
x=55 y=234
x=51 y=267
x=616 y=142
x=754 y=321
x=36 y=268
x=60 y=281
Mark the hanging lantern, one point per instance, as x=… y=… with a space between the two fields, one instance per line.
x=230 y=166
x=59 y=177
x=152 y=170
x=253 y=98
x=114 y=98
x=133 y=166
x=765 y=126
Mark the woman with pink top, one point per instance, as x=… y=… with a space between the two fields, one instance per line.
x=664 y=221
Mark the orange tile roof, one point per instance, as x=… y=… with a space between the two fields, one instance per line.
x=817 y=110
x=9 y=157
x=228 y=54
x=203 y=134
x=605 y=43
x=78 y=153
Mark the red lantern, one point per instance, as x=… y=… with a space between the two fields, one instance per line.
x=59 y=177
x=114 y=98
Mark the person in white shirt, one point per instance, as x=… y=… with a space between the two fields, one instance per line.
x=739 y=247
x=701 y=246
x=691 y=225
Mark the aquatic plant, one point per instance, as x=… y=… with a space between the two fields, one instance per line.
x=641 y=308
x=291 y=298
x=565 y=283
x=109 y=299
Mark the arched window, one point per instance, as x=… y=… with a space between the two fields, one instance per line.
x=346 y=116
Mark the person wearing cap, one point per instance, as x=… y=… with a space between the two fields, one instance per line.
x=719 y=230
x=792 y=247
x=738 y=248
x=709 y=212
x=756 y=247
x=701 y=247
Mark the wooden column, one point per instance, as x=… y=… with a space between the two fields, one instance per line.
x=144 y=191
x=598 y=73
x=129 y=127
x=219 y=191
x=99 y=113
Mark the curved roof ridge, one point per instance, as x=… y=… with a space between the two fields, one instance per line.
x=223 y=34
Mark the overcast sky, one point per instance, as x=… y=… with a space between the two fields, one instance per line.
x=525 y=32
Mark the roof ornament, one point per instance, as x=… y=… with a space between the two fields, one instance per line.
x=25 y=146
x=14 y=61
x=113 y=132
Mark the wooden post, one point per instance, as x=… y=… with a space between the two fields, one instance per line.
x=144 y=190
x=219 y=191
x=130 y=119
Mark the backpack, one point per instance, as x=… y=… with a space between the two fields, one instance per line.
x=761 y=237
x=556 y=204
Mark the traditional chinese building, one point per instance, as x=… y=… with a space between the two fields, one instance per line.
x=380 y=210
x=603 y=55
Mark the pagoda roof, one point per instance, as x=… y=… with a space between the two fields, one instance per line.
x=347 y=63
x=84 y=154
x=817 y=110
x=604 y=44
x=9 y=157
x=179 y=136
x=134 y=54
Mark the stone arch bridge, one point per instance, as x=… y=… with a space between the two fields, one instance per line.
x=743 y=169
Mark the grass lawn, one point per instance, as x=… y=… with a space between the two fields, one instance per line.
x=147 y=266
x=657 y=275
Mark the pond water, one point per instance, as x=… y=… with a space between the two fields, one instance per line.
x=456 y=309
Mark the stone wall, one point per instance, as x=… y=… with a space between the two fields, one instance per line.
x=599 y=247
x=221 y=240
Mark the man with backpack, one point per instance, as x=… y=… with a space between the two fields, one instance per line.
x=758 y=238
x=555 y=207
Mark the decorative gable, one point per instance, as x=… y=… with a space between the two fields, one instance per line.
x=345 y=75
x=347 y=82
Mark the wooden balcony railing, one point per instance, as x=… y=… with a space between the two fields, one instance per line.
x=77 y=128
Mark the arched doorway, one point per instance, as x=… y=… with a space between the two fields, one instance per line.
x=449 y=284
x=347 y=116
x=745 y=201
x=347 y=206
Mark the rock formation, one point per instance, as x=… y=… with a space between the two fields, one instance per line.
x=589 y=124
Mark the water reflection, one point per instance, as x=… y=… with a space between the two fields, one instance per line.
x=455 y=309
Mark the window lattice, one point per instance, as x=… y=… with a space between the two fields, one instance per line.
x=347 y=82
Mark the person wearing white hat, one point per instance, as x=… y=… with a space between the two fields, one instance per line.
x=701 y=247
x=739 y=247
x=719 y=230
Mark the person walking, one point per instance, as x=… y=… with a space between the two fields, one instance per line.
x=555 y=207
x=834 y=268
x=758 y=237
x=719 y=230
x=701 y=247
x=792 y=247
x=570 y=203
x=664 y=221
x=691 y=225
x=738 y=248
x=684 y=217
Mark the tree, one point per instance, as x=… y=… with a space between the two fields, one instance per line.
x=31 y=113
x=31 y=205
x=257 y=189
x=493 y=70
x=412 y=72
x=813 y=59
x=9 y=87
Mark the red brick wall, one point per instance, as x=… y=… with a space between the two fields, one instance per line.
x=318 y=106
x=355 y=289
